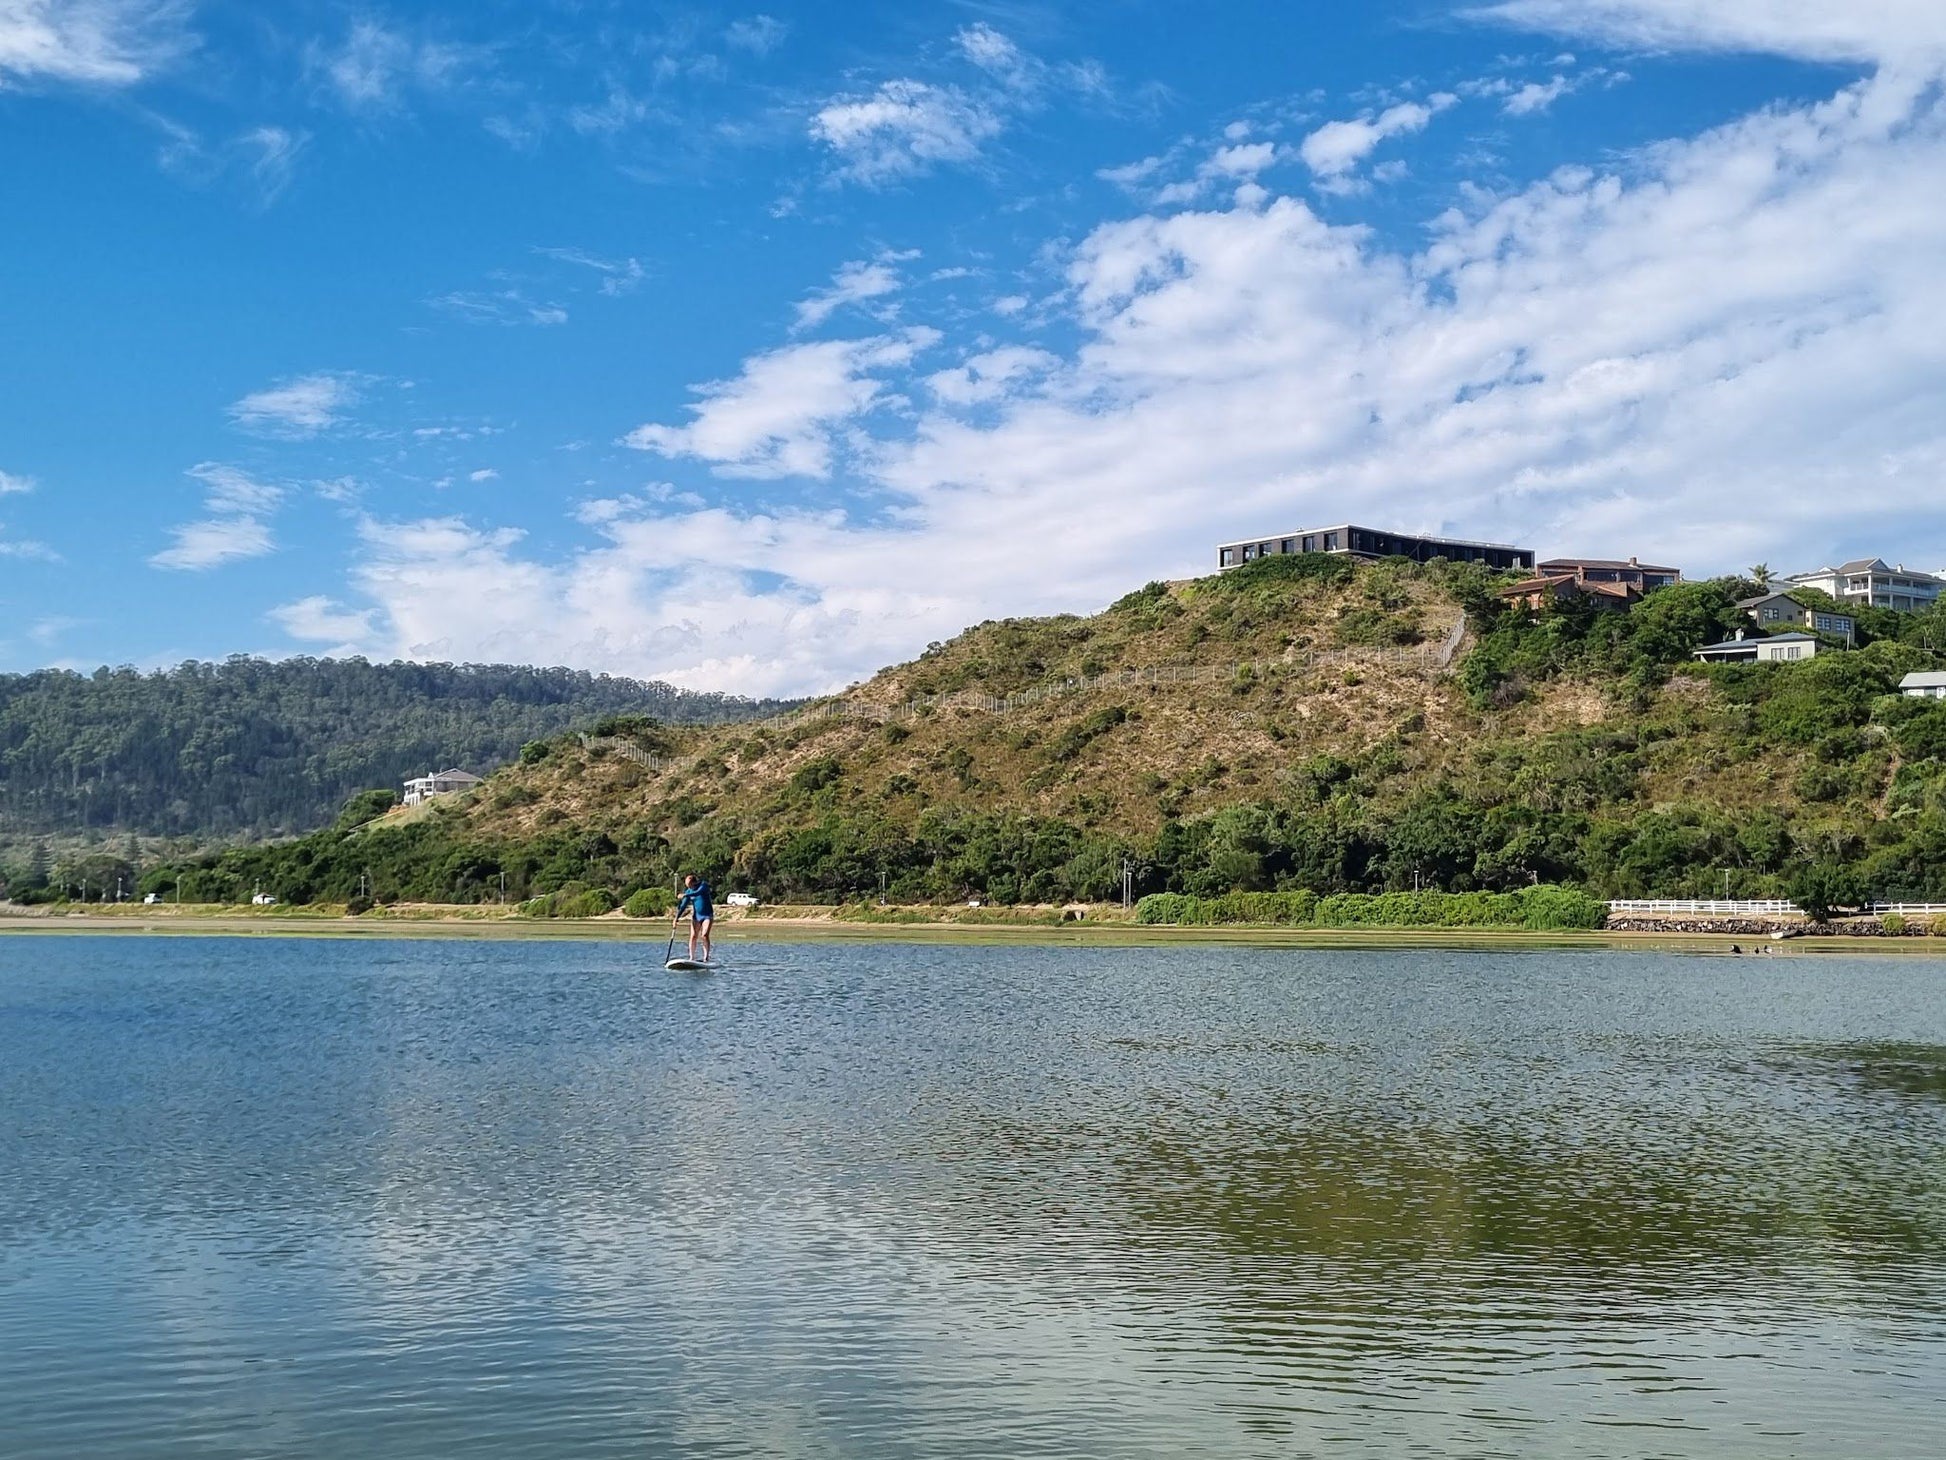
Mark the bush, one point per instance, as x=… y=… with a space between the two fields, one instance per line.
x=650 y=902
x=357 y=905
x=590 y=904
x=1538 y=909
x=1893 y=924
x=534 y=751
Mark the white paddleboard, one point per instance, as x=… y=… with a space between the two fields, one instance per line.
x=685 y=965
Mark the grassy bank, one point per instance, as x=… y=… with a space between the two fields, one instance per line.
x=898 y=925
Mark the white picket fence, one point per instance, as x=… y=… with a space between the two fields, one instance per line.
x=1716 y=907
x=1908 y=909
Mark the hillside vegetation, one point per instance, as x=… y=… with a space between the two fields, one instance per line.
x=257 y=748
x=1324 y=748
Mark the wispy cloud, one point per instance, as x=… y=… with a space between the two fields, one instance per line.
x=499 y=306
x=757 y=34
x=908 y=127
x=618 y=276
x=9 y=483
x=301 y=406
x=854 y=283
x=235 y=527
x=778 y=416
x=901 y=130
x=376 y=67
x=90 y=42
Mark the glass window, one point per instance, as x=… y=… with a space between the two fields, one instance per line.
x=1290 y=545
x=1227 y=558
x=1331 y=542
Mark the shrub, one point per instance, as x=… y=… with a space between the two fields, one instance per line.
x=1539 y=909
x=1893 y=924
x=649 y=902
x=590 y=904
x=534 y=752
x=358 y=905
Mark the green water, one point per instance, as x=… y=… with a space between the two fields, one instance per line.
x=314 y=1198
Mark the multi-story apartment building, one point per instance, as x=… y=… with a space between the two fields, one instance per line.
x=1874 y=583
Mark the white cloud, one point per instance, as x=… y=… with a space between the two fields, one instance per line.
x=777 y=417
x=854 y=283
x=9 y=483
x=991 y=51
x=499 y=306
x=757 y=34
x=89 y=42
x=1893 y=32
x=484 y=474
x=375 y=66
x=320 y=619
x=617 y=276
x=271 y=155
x=235 y=528
x=27 y=550
x=1337 y=147
x=990 y=375
x=1679 y=356
x=301 y=406
x=902 y=130
x=209 y=544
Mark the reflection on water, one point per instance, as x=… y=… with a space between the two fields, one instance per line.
x=295 y=1198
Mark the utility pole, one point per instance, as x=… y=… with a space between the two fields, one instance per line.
x=1128 y=884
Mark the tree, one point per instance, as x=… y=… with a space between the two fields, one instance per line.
x=1760 y=575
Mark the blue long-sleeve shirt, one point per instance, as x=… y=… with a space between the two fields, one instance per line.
x=696 y=902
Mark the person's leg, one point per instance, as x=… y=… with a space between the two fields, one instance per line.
x=695 y=926
x=706 y=925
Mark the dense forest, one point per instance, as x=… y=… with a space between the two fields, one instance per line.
x=1575 y=746
x=261 y=748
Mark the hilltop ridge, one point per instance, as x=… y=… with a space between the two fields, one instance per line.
x=1298 y=723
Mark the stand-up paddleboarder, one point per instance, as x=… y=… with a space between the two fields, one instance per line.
x=697 y=903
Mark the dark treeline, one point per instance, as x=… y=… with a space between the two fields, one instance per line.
x=252 y=747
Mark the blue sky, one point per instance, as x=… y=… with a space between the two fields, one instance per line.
x=754 y=348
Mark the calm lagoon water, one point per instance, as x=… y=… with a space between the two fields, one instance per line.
x=314 y=1198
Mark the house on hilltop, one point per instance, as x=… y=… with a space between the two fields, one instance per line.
x=1634 y=573
x=1760 y=650
x=439 y=783
x=1773 y=610
x=1536 y=593
x=1350 y=540
x=1925 y=684
x=1871 y=582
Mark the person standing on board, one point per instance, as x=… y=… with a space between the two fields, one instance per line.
x=695 y=901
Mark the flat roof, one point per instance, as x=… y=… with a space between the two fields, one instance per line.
x=1383 y=531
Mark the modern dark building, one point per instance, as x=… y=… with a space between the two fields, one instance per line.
x=1371 y=542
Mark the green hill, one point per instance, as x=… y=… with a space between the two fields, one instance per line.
x=257 y=748
x=1291 y=725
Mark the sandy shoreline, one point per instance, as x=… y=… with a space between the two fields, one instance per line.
x=148 y=922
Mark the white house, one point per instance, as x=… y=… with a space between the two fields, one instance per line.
x=1925 y=684
x=1871 y=581
x=439 y=783
x=1777 y=647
